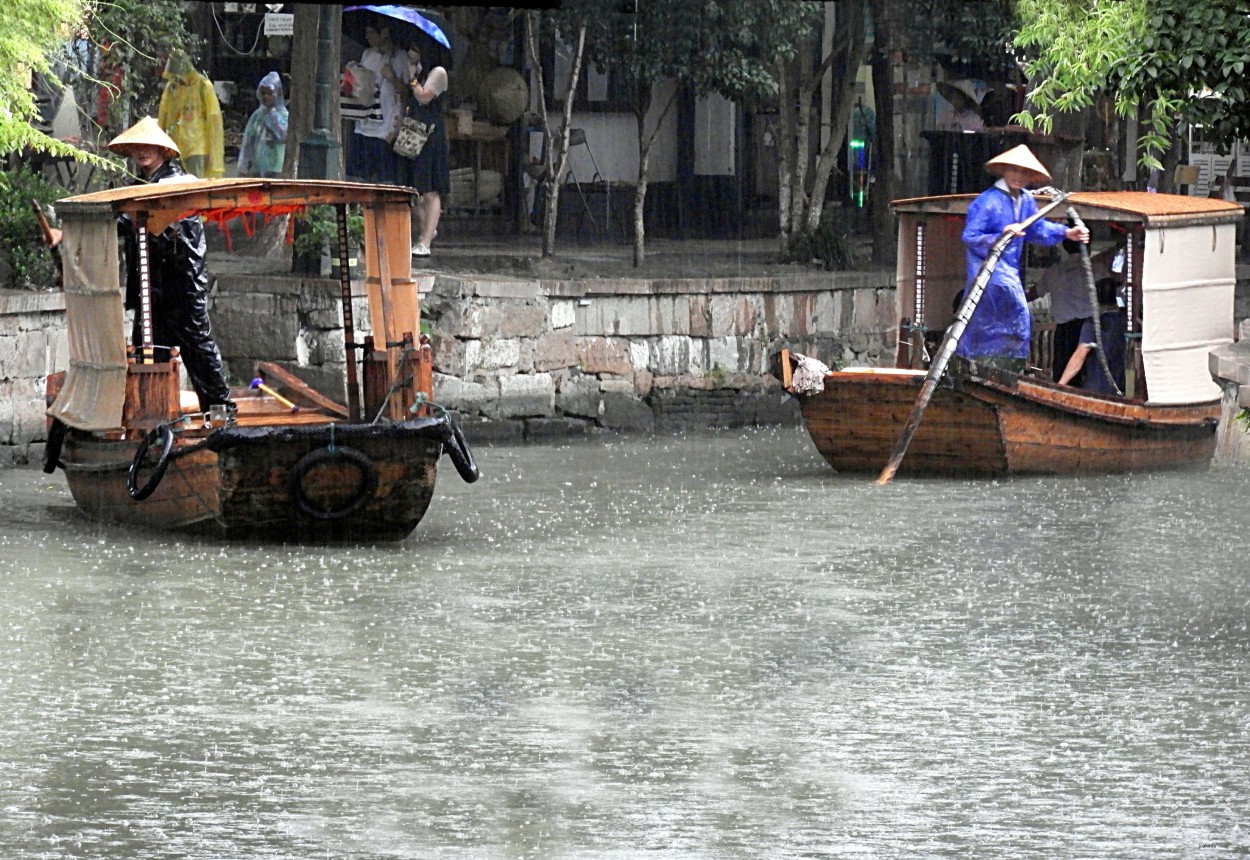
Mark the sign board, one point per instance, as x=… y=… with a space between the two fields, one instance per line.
x=279 y=24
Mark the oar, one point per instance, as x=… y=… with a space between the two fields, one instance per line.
x=951 y=339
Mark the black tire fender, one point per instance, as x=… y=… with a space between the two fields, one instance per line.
x=166 y=437
x=52 y=450
x=368 y=481
x=457 y=449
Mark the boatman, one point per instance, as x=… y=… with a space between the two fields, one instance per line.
x=1000 y=330
x=179 y=280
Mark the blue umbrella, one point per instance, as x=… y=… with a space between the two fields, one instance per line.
x=411 y=16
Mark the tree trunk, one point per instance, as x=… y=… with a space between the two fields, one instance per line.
x=642 y=105
x=884 y=235
x=555 y=145
x=301 y=98
x=804 y=198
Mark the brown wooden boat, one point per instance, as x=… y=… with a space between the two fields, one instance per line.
x=1179 y=272
x=295 y=463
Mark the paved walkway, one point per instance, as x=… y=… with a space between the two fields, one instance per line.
x=666 y=258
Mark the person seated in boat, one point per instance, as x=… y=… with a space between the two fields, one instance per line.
x=1000 y=328
x=1112 y=323
x=179 y=279
x=1066 y=285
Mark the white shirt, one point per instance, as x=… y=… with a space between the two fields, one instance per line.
x=374 y=61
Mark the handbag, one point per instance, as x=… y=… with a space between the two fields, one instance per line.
x=359 y=97
x=412 y=137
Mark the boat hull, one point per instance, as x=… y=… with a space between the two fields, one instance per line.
x=1009 y=426
x=348 y=483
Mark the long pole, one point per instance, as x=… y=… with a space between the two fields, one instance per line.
x=951 y=340
x=1088 y=267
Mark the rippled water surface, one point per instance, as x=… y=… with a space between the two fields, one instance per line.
x=685 y=648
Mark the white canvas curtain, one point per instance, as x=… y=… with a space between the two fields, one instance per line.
x=1188 y=278
x=95 y=382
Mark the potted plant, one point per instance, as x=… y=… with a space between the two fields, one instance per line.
x=316 y=240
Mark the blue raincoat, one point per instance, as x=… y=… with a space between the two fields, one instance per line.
x=1000 y=326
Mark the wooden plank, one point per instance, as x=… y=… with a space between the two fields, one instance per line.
x=270 y=371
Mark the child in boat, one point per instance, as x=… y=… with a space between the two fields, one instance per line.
x=1065 y=283
x=1000 y=329
x=1112 y=322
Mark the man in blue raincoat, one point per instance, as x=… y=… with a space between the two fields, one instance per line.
x=1000 y=329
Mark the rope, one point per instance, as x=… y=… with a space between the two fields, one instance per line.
x=1088 y=266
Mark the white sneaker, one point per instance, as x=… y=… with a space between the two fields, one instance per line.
x=419 y=250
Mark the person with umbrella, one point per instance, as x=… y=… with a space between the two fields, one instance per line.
x=370 y=158
x=430 y=171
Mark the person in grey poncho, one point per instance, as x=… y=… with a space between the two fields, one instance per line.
x=264 y=136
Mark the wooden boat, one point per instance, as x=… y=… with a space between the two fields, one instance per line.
x=1179 y=273
x=295 y=463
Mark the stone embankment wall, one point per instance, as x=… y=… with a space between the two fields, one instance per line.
x=523 y=359
x=33 y=343
x=529 y=359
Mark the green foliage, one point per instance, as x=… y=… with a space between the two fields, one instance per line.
x=21 y=241
x=317 y=230
x=830 y=245
x=32 y=31
x=729 y=47
x=971 y=39
x=129 y=44
x=1171 y=60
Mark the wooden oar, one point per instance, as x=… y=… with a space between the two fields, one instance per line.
x=951 y=339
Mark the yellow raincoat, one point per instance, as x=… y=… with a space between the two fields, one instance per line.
x=191 y=115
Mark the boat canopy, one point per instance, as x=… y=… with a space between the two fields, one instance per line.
x=93 y=395
x=1180 y=269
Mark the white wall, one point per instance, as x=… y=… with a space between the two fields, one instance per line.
x=716 y=138
x=612 y=138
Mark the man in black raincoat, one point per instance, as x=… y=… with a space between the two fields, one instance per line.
x=179 y=280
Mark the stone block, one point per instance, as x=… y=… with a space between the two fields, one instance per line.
x=623 y=409
x=723 y=353
x=872 y=310
x=467 y=397
x=700 y=324
x=29 y=419
x=555 y=350
x=614 y=315
x=673 y=355
x=669 y=315
x=563 y=313
x=640 y=354
x=316 y=347
x=604 y=355
x=456 y=357
x=320 y=307
x=524 y=396
x=257 y=324
x=499 y=353
x=506 y=288
x=735 y=315
x=506 y=319
x=579 y=395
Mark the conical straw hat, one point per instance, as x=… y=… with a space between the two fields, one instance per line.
x=145 y=131
x=1021 y=157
